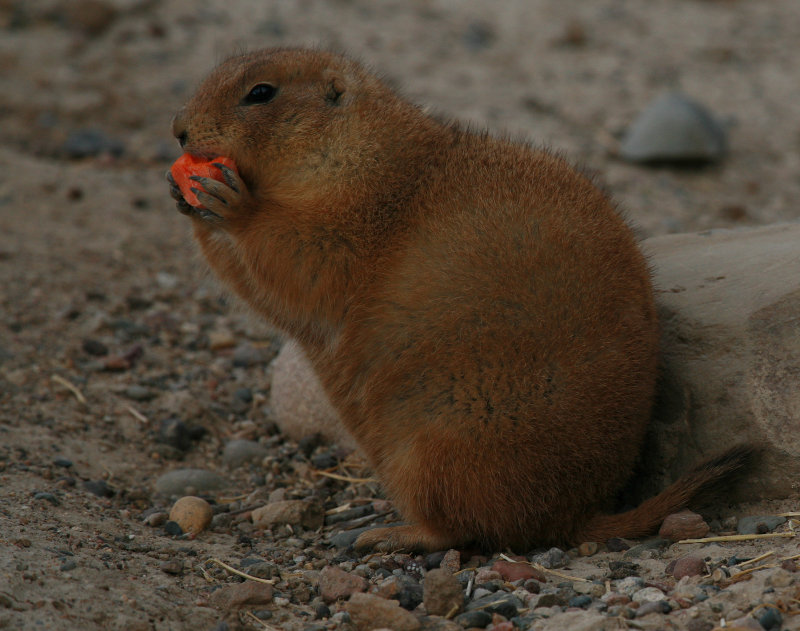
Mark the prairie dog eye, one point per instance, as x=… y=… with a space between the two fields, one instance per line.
x=260 y=93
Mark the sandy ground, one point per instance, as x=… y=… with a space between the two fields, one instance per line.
x=91 y=247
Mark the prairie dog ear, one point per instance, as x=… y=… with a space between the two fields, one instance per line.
x=334 y=89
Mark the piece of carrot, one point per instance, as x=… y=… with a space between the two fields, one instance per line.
x=188 y=165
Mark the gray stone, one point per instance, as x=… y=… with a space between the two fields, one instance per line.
x=552 y=559
x=673 y=128
x=188 y=481
x=239 y=452
x=759 y=524
x=347 y=538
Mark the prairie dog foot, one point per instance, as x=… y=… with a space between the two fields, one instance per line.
x=403 y=538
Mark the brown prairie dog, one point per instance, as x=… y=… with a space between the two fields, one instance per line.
x=477 y=311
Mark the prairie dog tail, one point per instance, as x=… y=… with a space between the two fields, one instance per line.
x=647 y=517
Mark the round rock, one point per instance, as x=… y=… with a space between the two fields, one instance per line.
x=673 y=128
x=683 y=525
x=192 y=514
x=689 y=566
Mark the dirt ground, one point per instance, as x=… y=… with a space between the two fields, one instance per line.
x=94 y=257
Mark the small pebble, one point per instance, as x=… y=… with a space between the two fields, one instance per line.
x=156 y=519
x=247 y=594
x=533 y=586
x=551 y=600
x=173 y=566
x=321 y=611
x=689 y=566
x=347 y=538
x=683 y=525
x=630 y=585
x=770 y=618
x=240 y=452
x=309 y=515
x=99 y=488
x=474 y=619
x=616 y=544
x=246 y=355
x=587 y=548
x=582 y=601
x=49 y=497
x=373 y=612
x=790 y=565
x=245 y=395
x=406 y=590
x=512 y=572
x=638 y=550
x=221 y=339
x=173 y=529
x=175 y=433
x=442 y=593
x=68 y=565
x=486 y=575
x=553 y=559
x=622 y=569
x=654 y=606
x=192 y=514
x=503 y=603
x=451 y=561
x=63 y=462
x=335 y=584
x=139 y=393
x=176 y=482
x=94 y=348
x=324 y=460
x=648 y=594
x=780 y=578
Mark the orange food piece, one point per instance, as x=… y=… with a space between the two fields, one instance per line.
x=188 y=165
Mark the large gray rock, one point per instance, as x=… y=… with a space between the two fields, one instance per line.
x=729 y=304
x=298 y=402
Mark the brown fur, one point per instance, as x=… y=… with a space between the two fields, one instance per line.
x=477 y=311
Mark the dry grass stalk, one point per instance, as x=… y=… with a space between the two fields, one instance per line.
x=542 y=568
x=756 y=559
x=137 y=415
x=264 y=625
x=769 y=535
x=343 y=478
x=71 y=387
x=233 y=570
